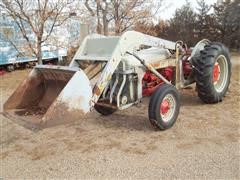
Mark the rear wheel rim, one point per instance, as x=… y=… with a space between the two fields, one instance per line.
x=220 y=73
x=167 y=107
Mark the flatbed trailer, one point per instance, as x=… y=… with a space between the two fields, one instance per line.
x=9 y=60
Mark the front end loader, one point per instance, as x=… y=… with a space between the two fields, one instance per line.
x=114 y=73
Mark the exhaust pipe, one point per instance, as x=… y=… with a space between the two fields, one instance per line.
x=50 y=95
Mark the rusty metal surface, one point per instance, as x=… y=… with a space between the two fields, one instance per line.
x=59 y=113
x=38 y=120
x=49 y=96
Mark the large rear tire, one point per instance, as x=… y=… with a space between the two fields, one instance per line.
x=213 y=72
x=164 y=107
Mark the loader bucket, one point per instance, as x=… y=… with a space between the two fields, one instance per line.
x=50 y=95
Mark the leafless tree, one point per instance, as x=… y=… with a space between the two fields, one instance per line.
x=99 y=9
x=120 y=15
x=38 y=16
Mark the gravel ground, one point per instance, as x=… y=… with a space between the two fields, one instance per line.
x=204 y=142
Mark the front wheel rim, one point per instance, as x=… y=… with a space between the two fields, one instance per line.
x=220 y=73
x=167 y=107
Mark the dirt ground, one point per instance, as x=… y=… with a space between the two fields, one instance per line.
x=204 y=142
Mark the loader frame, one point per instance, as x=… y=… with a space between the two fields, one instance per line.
x=128 y=43
x=120 y=64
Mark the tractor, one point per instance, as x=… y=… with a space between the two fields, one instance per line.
x=110 y=73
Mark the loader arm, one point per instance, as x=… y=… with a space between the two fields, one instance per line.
x=130 y=41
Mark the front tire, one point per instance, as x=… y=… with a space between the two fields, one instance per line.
x=164 y=107
x=104 y=108
x=213 y=72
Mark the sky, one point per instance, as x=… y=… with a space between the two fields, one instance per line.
x=174 y=4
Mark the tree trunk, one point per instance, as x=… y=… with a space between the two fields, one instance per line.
x=104 y=18
x=117 y=27
x=39 y=52
x=99 y=25
x=116 y=19
x=105 y=23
